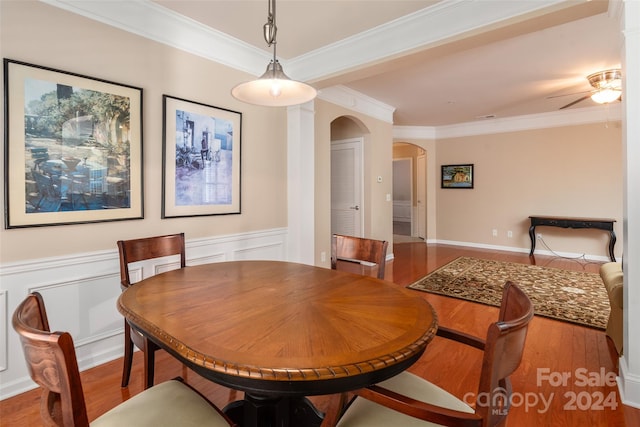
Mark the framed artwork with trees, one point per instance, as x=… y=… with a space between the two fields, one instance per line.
x=73 y=148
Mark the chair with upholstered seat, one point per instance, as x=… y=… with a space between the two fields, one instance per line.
x=358 y=249
x=408 y=400
x=52 y=364
x=139 y=250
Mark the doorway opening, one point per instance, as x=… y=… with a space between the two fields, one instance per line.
x=348 y=175
x=409 y=193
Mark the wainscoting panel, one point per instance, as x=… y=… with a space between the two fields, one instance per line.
x=266 y=251
x=402 y=210
x=4 y=326
x=81 y=290
x=83 y=307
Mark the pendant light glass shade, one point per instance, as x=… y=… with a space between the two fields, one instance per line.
x=274 y=89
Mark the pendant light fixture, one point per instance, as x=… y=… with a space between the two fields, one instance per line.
x=274 y=88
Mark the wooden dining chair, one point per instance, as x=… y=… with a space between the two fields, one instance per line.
x=358 y=249
x=139 y=250
x=410 y=401
x=52 y=364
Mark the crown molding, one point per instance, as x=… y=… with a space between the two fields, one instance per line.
x=446 y=19
x=152 y=21
x=578 y=116
x=414 y=132
x=356 y=101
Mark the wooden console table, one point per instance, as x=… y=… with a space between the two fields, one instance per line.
x=605 y=224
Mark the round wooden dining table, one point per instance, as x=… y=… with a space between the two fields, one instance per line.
x=280 y=331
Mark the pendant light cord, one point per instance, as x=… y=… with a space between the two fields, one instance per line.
x=270 y=30
x=274 y=88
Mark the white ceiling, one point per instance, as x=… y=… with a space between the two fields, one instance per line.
x=436 y=62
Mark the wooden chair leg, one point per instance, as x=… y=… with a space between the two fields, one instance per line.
x=185 y=372
x=336 y=407
x=128 y=355
x=149 y=362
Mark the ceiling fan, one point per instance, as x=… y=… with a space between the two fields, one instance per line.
x=607 y=87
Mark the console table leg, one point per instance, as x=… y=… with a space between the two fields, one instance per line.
x=612 y=243
x=532 y=236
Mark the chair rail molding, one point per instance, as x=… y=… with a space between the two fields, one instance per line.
x=81 y=291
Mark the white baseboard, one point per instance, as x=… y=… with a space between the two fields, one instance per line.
x=521 y=250
x=628 y=385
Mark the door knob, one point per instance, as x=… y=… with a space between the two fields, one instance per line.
x=356 y=207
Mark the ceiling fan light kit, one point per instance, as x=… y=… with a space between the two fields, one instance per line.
x=274 y=88
x=607 y=88
x=607 y=84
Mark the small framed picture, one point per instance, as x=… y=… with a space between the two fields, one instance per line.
x=201 y=159
x=457 y=176
x=73 y=148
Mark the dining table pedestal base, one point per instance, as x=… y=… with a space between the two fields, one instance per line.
x=267 y=411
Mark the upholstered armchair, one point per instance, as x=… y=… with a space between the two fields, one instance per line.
x=612 y=277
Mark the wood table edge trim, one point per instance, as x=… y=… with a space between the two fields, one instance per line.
x=197 y=359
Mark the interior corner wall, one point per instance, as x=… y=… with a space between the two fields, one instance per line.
x=566 y=171
x=378 y=154
x=37 y=33
x=629 y=363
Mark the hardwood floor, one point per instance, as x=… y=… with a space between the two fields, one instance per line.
x=553 y=348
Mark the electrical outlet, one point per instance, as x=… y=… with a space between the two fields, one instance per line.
x=539 y=236
x=509 y=234
x=494 y=232
x=323 y=256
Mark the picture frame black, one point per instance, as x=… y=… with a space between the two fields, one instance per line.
x=73 y=148
x=201 y=162
x=457 y=176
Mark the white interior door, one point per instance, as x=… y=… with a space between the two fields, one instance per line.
x=346 y=187
x=421 y=195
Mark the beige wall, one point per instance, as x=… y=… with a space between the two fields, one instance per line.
x=572 y=170
x=377 y=162
x=566 y=171
x=39 y=34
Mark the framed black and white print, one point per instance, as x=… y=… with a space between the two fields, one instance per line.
x=73 y=148
x=201 y=159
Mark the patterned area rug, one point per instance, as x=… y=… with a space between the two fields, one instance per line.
x=572 y=296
